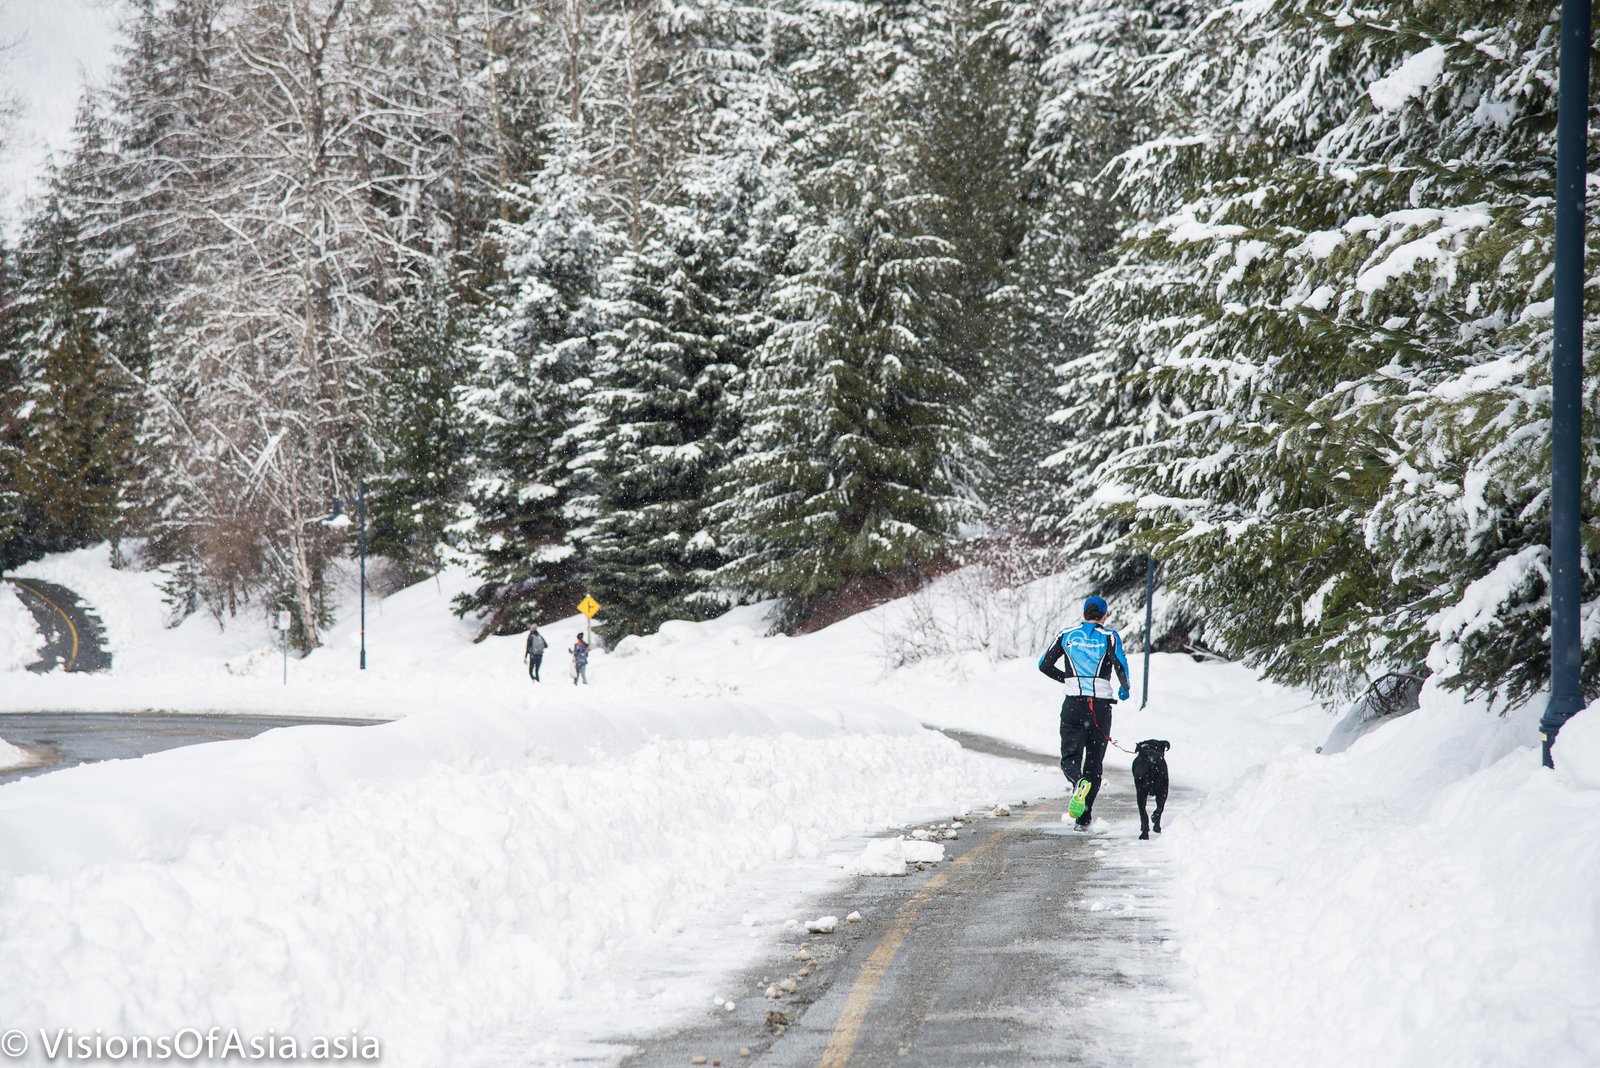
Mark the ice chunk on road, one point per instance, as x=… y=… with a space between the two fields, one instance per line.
x=890 y=856
x=11 y=756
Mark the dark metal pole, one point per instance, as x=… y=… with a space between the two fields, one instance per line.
x=1572 y=150
x=1149 y=609
x=361 y=512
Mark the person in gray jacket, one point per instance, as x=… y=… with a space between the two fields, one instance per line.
x=534 y=653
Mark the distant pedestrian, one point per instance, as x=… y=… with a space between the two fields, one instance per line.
x=580 y=662
x=1093 y=652
x=534 y=653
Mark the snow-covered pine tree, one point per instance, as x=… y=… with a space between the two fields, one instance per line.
x=75 y=331
x=527 y=396
x=161 y=108
x=417 y=498
x=656 y=405
x=1093 y=64
x=1347 y=314
x=74 y=427
x=451 y=131
x=977 y=120
x=167 y=98
x=642 y=87
x=856 y=461
x=690 y=310
x=11 y=401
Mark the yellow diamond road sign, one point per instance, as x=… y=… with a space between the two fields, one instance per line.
x=589 y=606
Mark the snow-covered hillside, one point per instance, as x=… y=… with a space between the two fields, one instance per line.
x=542 y=860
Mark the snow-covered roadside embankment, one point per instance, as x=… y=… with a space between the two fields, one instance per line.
x=20 y=640
x=1426 y=898
x=429 y=880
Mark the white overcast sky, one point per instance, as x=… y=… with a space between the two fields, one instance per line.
x=56 y=45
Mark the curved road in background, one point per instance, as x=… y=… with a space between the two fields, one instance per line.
x=75 y=639
x=64 y=739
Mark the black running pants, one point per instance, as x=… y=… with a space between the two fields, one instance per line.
x=1085 y=732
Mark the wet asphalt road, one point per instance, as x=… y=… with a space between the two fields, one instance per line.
x=63 y=739
x=1032 y=944
x=74 y=636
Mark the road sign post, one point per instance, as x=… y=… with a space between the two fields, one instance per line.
x=283 y=628
x=588 y=606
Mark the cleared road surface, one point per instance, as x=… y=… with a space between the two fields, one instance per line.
x=62 y=739
x=1032 y=944
x=74 y=637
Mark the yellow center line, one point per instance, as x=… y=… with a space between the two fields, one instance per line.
x=847 y=1030
x=72 y=658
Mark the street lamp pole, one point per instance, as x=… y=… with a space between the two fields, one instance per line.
x=338 y=517
x=1149 y=612
x=1572 y=149
x=361 y=514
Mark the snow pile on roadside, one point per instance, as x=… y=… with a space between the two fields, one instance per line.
x=436 y=879
x=11 y=756
x=1426 y=898
x=20 y=640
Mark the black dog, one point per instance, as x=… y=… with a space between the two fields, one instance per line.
x=1150 y=780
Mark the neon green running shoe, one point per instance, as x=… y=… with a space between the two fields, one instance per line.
x=1080 y=798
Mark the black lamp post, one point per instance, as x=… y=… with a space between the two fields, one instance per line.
x=361 y=541
x=1566 y=430
x=1149 y=610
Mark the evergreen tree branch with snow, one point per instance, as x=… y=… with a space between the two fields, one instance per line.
x=1338 y=324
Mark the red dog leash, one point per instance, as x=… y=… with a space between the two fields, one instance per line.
x=1096 y=721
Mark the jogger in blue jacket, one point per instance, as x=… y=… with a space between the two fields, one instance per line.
x=1093 y=652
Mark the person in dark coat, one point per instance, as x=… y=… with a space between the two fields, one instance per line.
x=534 y=653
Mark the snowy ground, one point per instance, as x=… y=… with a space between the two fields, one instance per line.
x=20 y=640
x=552 y=865
x=1425 y=898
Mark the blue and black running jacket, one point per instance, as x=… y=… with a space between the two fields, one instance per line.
x=1093 y=652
